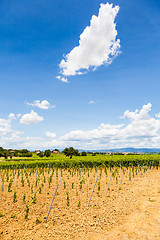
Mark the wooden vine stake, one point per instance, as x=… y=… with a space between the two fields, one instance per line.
x=121 y=180
x=2 y=187
x=51 y=203
x=108 y=184
x=60 y=178
x=92 y=191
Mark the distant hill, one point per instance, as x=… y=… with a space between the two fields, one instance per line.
x=132 y=150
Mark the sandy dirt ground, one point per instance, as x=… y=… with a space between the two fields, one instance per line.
x=130 y=213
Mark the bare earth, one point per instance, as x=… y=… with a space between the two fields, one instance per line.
x=130 y=213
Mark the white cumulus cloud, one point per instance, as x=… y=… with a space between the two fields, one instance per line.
x=98 y=44
x=31 y=118
x=141 y=130
x=50 y=134
x=157 y=115
x=41 y=104
x=12 y=116
x=142 y=114
x=8 y=136
x=62 y=79
x=19 y=115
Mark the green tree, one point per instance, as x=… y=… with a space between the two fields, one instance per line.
x=41 y=154
x=69 y=152
x=56 y=150
x=6 y=155
x=1 y=153
x=47 y=153
x=83 y=153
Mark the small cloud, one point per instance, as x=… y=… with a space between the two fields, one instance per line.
x=62 y=79
x=19 y=115
x=91 y=102
x=31 y=118
x=41 y=104
x=12 y=116
x=157 y=115
x=50 y=134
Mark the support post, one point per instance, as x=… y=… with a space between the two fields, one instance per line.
x=2 y=187
x=51 y=203
x=108 y=184
x=121 y=179
x=92 y=191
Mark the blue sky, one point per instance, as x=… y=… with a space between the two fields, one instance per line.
x=90 y=110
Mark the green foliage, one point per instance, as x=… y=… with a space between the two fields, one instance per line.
x=116 y=180
x=32 y=188
x=22 y=181
x=79 y=204
x=80 y=184
x=67 y=199
x=69 y=152
x=61 y=161
x=24 y=197
x=34 y=199
x=24 y=153
x=1 y=214
x=99 y=186
x=50 y=180
x=15 y=196
x=9 y=186
x=47 y=153
x=40 y=190
x=38 y=220
x=41 y=154
x=28 y=182
x=83 y=153
x=6 y=155
x=27 y=211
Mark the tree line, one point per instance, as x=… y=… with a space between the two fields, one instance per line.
x=69 y=152
x=14 y=153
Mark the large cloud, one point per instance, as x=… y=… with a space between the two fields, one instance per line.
x=97 y=45
x=7 y=134
x=141 y=130
x=141 y=126
x=30 y=118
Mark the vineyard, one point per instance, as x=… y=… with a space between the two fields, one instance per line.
x=61 y=161
x=69 y=195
